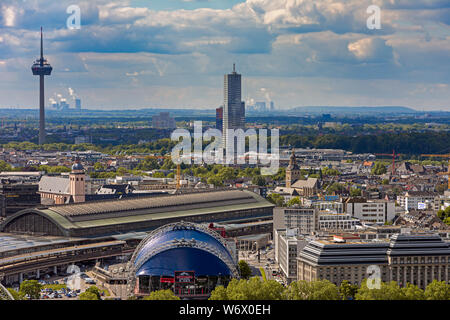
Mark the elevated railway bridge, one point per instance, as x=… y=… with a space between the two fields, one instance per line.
x=13 y=268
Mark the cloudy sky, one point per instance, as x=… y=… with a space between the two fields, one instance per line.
x=173 y=53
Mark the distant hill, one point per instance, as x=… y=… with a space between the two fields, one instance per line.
x=354 y=110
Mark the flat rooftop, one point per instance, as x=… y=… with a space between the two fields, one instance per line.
x=11 y=242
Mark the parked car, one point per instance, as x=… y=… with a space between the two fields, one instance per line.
x=89 y=281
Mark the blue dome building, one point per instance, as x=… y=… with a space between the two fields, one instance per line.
x=188 y=258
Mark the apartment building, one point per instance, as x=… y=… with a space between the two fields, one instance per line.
x=417 y=200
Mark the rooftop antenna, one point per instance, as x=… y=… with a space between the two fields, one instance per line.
x=42 y=50
x=234 y=67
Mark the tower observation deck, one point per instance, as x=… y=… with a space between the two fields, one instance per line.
x=41 y=68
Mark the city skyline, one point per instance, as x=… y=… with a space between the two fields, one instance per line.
x=173 y=53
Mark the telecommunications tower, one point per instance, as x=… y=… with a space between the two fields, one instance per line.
x=41 y=68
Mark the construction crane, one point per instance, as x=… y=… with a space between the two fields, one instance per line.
x=393 y=155
x=448 y=169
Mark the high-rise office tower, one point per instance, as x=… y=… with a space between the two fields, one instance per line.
x=78 y=104
x=41 y=68
x=219 y=118
x=233 y=107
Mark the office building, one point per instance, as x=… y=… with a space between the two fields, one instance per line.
x=287 y=246
x=370 y=211
x=405 y=258
x=305 y=219
x=219 y=118
x=329 y=220
x=17 y=196
x=163 y=121
x=78 y=104
x=233 y=107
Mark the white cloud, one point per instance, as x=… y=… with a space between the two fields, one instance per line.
x=371 y=49
x=119 y=43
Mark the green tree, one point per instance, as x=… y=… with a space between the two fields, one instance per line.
x=441 y=187
x=379 y=169
x=244 y=269
x=219 y=293
x=31 y=288
x=55 y=169
x=276 y=199
x=4 y=166
x=148 y=164
x=330 y=172
x=259 y=181
x=437 y=290
x=355 y=192
x=293 y=201
x=159 y=174
x=16 y=295
x=387 y=291
x=385 y=182
x=280 y=175
x=335 y=187
x=397 y=190
x=121 y=171
x=348 y=290
x=227 y=173
x=314 y=290
x=444 y=214
x=162 y=295
x=98 y=166
x=216 y=181
x=254 y=289
x=88 y=296
x=94 y=290
x=412 y=292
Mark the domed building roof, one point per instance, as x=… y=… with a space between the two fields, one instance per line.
x=77 y=166
x=183 y=247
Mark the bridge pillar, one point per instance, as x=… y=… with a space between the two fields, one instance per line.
x=55 y=270
x=38 y=273
x=20 y=277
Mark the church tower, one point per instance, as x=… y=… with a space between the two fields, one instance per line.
x=77 y=182
x=292 y=171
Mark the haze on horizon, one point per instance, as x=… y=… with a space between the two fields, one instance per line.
x=174 y=53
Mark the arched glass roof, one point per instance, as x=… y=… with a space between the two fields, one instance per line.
x=162 y=256
x=184 y=259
